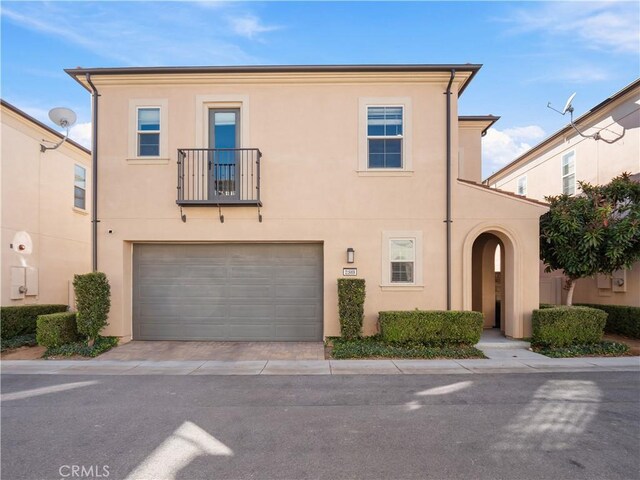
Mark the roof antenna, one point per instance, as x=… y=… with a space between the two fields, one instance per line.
x=63 y=117
x=568 y=107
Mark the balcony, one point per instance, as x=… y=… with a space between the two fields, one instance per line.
x=218 y=176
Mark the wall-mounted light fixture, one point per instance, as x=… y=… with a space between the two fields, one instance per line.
x=351 y=255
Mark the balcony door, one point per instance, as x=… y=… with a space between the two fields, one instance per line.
x=224 y=139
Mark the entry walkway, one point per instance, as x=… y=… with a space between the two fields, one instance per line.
x=320 y=367
x=498 y=347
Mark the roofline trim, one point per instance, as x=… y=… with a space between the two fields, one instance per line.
x=351 y=68
x=511 y=195
x=567 y=128
x=480 y=118
x=28 y=117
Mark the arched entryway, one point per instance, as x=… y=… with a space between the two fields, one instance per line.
x=487 y=280
x=492 y=282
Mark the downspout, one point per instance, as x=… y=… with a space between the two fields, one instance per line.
x=448 y=219
x=94 y=170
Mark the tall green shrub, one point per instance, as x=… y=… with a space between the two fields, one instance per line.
x=622 y=319
x=566 y=326
x=21 y=319
x=93 y=301
x=351 y=294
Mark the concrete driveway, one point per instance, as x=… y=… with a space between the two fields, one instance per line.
x=230 y=351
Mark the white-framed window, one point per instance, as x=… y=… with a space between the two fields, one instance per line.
x=522 y=185
x=148 y=142
x=385 y=136
x=148 y=131
x=569 y=173
x=402 y=259
x=80 y=187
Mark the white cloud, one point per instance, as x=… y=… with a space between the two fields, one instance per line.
x=607 y=26
x=576 y=74
x=249 y=26
x=500 y=147
x=81 y=133
x=137 y=34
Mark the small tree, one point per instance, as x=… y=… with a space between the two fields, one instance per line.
x=92 y=303
x=597 y=231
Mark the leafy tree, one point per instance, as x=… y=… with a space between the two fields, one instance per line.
x=594 y=232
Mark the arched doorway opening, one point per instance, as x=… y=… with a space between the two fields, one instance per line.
x=488 y=280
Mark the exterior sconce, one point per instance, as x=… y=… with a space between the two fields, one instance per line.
x=351 y=255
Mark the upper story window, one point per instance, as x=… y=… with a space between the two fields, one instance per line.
x=569 y=173
x=522 y=186
x=148 y=131
x=385 y=136
x=80 y=187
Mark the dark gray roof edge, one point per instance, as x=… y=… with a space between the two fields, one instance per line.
x=28 y=117
x=354 y=68
x=594 y=110
x=480 y=118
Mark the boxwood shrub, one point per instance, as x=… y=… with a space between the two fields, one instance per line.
x=566 y=326
x=351 y=294
x=93 y=302
x=431 y=327
x=21 y=319
x=622 y=319
x=56 y=329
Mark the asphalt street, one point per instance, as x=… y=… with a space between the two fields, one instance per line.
x=582 y=425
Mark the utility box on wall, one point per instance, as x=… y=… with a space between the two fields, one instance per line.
x=24 y=282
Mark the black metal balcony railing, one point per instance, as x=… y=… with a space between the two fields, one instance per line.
x=219 y=176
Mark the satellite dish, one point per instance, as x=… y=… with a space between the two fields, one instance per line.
x=22 y=243
x=63 y=117
x=567 y=106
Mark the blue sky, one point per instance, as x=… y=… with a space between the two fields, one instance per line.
x=533 y=52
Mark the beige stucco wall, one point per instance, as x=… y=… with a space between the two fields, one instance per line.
x=596 y=162
x=37 y=197
x=312 y=188
x=470 y=151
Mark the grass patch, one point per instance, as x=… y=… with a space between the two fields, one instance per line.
x=600 y=349
x=374 y=347
x=28 y=340
x=101 y=345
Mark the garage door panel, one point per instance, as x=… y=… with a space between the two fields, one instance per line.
x=248 y=292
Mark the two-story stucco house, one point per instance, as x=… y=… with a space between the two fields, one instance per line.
x=231 y=199
x=45 y=211
x=557 y=164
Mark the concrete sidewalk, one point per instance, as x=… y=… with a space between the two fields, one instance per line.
x=321 y=367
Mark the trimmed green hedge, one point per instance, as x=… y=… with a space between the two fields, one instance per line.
x=21 y=319
x=93 y=302
x=56 y=329
x=565 y=326
x=351 y=294
x=622 y=319
x=431 y=327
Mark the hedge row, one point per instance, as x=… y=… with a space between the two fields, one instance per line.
x=431 y=327
x=622 y=319
x=21 y=320
x=56 y=329
x=566 y=326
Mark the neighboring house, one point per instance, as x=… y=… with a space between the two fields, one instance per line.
x=231 y=199
x=45 y=211
x=556 y=165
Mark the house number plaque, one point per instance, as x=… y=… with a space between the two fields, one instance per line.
x=349 y=272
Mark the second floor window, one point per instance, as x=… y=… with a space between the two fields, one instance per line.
x=149 y=132
x=385 y=136
x=569 y=173
x=522 y=186
x=80 y=187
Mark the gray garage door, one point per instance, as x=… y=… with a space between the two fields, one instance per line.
x=249 y=292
